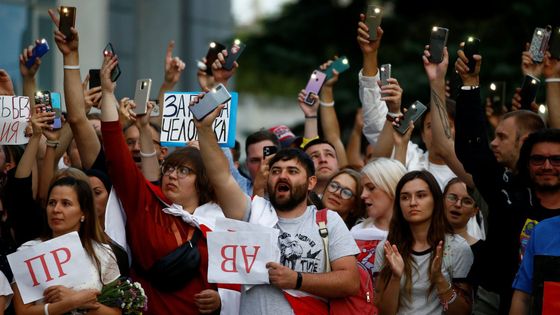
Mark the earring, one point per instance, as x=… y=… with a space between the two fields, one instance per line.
x=82 y=219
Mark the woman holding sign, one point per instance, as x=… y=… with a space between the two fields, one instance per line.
x=165 y=224
x=70 y=208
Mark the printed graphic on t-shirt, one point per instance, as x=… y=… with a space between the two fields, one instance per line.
x=300 y=252
x=525 y=235
x=367 y=253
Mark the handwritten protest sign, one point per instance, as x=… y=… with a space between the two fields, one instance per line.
x=14 y=112
x=240 y=257
x=177 y=126
x=59 y=261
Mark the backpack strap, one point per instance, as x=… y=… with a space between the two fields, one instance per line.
x=321 y=219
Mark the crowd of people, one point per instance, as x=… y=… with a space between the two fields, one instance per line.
x=452 y=229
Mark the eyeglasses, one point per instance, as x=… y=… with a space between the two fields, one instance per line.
x=465 y=202
x=539 y=160
x=182 y=171
x=345 y=193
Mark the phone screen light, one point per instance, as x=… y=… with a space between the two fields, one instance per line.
x=542 y=109
x=492 y=86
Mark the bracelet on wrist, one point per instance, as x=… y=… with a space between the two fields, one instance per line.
x=52 y=143
x=311 y=117
x=46 y=309
x=392 y=116
x=469 y=87
x=552 y=80
x=299 y=280
x=326 y=104
x=71 y=67
x=147 y=155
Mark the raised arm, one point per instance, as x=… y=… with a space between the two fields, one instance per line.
x=231 y=198
x=86 y=139
x=443 y=143
x=551 y=73
x=148 y=154
x=310 y=113
x=354 y=144
x=174 y=66
x=329 y=121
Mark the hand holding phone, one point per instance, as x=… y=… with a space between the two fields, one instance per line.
x=67 y=21
x=385 y=73
x=233 y=54
x=45 y=101
x=142 y=95
x=314 y=86
x=340 y=65
x=94 y=78
x=438 y=41
x=471 y=48
x=528 y=92
x=109 y=50
x=40 y=49
x=413 y=113
x=497 y=95
x=213 y=49
x=269 y=150
x=211 y=100
x=539 y=43
x=373 y=20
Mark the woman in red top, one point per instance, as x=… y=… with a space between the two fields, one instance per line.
x=157 y=215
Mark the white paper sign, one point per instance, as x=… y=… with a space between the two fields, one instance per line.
x=240 y=257
x=59 y=261
x=14 y=112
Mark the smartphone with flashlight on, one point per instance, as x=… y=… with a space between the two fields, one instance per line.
x=539 y=43
x=314 y=86
x=385 y=73
x=373 y=20
x=340 y=65
x=213 y=49
x=438 y=41
x=471 y=48
x=67 y=21
x=142 y=95
x=414 y=112
x=109 y=50
x=40 y=49
x=528 y=92
x=209 y=102
x=233 y=53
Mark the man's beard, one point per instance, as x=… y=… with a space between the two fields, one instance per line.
x=296 y=196
x=546 y=186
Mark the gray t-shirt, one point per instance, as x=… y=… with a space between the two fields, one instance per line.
x=301 y=249
x=457 y=261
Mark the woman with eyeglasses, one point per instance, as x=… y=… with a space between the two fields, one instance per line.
x=164 y=219
x=421 y=267
x=342 y=195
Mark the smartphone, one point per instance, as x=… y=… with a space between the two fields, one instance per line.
x=438 y=41
x=94 y=78
x=109 y=50
x=497 y=95
x=213 y=49
x=554 y=47
x=385 y=73
x=340 y=65
x=472 y=47
x=413 y=113
x=67 y=21
x=528 y=92
x=269 y=150
x=142 y=96
x=56 y=108
x=211 y=100
x=38 y=51
x=233 y=54
x=539 y=43
x=373 y=20
x=314 y=86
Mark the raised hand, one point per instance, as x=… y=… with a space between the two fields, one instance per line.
x=222 y=75
x=528 y=66
x=91 y=96
x=394 y=259
x=391 y=93
x=65 y=46
x=306 y=109
x=436 y=71
x=174 y=66
x=24 y=57
x=462 y=69
x=436 y=263
x=332 y=81
x=205 y=80
x=366 y=45
x=109 y=63
x=6 y=85
x=126 y=111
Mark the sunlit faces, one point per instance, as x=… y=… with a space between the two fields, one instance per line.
x=338 y=188
x=179 y=186
x=378 y=203
x=288 y=185
x=459 y=206
x=506 y=143
x=255 y=157
x=416 y=201
x=100 y=195
x=544 y=166
x=63 y=210
x=324 y=159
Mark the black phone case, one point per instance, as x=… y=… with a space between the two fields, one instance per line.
x=67 y=20
x=529 y=90
x=498 y=96
x=116 y=73
x=554 y=47
x=94 y=78
x=232 y=57
x=438 y=40
x=472 y=47
x=212 y=55
x=413 y=113
x=269 y=150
